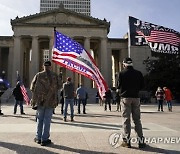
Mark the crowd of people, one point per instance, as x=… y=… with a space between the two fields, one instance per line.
x=46 y=86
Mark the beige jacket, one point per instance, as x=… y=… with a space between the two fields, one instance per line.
x=44 y=87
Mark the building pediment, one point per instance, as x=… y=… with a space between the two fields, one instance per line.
x=59 y=17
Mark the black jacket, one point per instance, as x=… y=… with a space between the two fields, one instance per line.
x=17 y=93
x=130 y=82
x=108 y=94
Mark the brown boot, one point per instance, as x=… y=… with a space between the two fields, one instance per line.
x=126 y=144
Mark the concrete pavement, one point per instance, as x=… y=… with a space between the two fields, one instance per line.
x=98 y=131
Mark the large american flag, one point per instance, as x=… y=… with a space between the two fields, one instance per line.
x=23 y=89
x=71 y=55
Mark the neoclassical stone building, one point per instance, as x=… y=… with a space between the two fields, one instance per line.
x=32 y=42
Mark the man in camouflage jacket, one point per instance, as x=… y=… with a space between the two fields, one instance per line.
x=44 y=89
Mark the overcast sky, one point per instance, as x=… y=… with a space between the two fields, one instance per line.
x=161 y=12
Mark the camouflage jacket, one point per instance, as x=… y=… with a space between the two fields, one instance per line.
x=44 y=87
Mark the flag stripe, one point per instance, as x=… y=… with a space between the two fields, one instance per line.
x=159 y=37
x=100 y=85
x=23 y=89
x=77 y=62
x=166 y=37
x=24 y=92
x=71 y=55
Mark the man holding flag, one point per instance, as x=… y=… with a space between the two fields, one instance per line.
x=23 y=89
x=18 y=97
x=71 y=55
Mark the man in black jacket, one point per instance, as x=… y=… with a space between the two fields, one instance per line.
x=130 y=83
x=19 y=98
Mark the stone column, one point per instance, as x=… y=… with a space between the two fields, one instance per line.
x=87 y=81
x=51 y=41
x=16 y=60
x=109 y=67
x=105 y=60
x=34 y=64
x=10 y=64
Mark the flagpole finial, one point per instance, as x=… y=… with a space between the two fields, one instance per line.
x=54 y=28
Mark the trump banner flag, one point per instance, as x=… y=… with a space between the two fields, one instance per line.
x=71 y=55
x=160 y=39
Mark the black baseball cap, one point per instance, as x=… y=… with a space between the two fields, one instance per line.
x=47 y=63
x=127 y=61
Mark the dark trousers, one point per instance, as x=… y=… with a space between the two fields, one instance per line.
x=75 y=101
x=20 y=104
x=107 y=101
x=62 y=106
x=118 y=106
x=160 y=105
x=83 y=103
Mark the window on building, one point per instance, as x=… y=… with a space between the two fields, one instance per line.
x=45 y=55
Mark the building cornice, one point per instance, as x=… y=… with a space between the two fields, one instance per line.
x=21 y=21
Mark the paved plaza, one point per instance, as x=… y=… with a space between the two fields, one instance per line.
x=97 y=132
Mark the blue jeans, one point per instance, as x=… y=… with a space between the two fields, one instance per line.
x=44 y=116
x=20 y=104
x=71 y=103
x=169 y=104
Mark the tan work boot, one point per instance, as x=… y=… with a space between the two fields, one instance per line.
x=126 y=144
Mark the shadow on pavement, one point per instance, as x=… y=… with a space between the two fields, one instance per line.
x=93 y=125
x=151 y=112
x=18 y=116
x=149 y=148
x=69 y=149
x=90 y=125
x=98 y=115
x=23 y=149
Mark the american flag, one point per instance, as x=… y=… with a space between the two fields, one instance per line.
x=71 y=55
x=23 y=89
x=162 y=36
